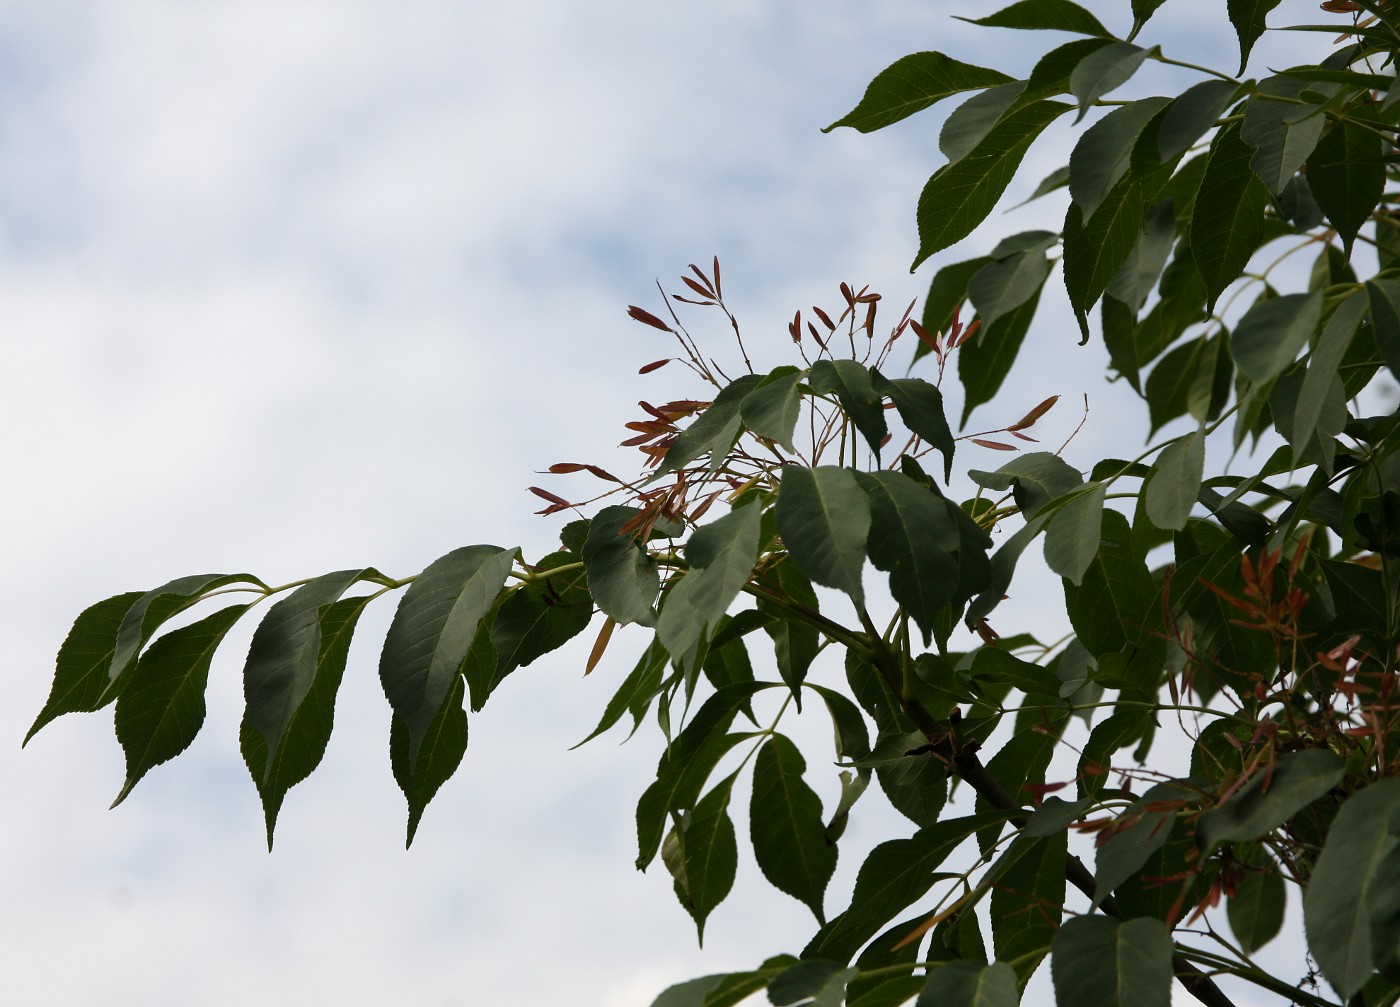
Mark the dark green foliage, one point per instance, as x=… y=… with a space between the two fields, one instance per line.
x=1240 y=240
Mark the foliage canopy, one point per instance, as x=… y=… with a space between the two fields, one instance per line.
x=1257 y=614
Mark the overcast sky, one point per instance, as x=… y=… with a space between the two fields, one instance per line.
x=289 y=288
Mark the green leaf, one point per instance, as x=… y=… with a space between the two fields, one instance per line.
x=1098 y=961
x=1107 y=738
x=432 y=630
x=1096 y=251
x=1346 y=174
x=687 y=763
x=960 y=195
x=1072 y=536
x=305 y=739
x=969 y=123
x=785 y=824
x=1060 y=15
x=1195 y=111
x=1056 y=180
x=284 y=655
x=1104 y=152
x=824 y=519
x=1255 y=910
x=152 y=609
x=622 y=576
x=813 y=982
x=946 y=294
x=1282 y=132
x=915 y=784
x=796 y=642
x=913 y=539
x=896 y=874
x=1248 y=17
x=970 y=984
x=1271 y=798
x=1001 y=287
x=984 y=362
x=537 y=618
x=1026 y=897
x=911 y=84
x=80 y=680
x=1142 y=10
x=853 y=387
x=1353 y=865
x=920 y=406
x=709 y=853
x=1269 y=336
x=1228 y=218
x=1002 y=568
x=1115 y=609
x=162 y=708
x=420 y=775
x=1383 y=297
x=721 y=555
x=1022 y=760
x=1102 y=71
x=772 y=408
x=715 y=430
x=1035 y=478
x=1176 y=481
x=1141 y=831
